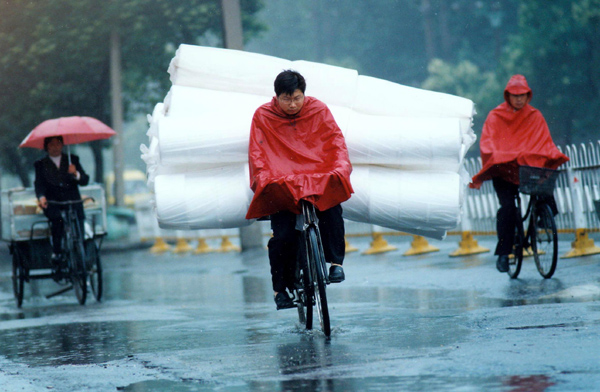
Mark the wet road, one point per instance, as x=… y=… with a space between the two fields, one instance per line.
x=208 y=323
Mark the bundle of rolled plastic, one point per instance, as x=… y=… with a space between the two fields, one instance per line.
x=406 y=145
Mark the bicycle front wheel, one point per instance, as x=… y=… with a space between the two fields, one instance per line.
x=317 y=262
x=544 y=240
x=515 y=262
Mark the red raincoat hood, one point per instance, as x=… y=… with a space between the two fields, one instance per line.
x=296 y=157
x=517 y=85
x=513 y=138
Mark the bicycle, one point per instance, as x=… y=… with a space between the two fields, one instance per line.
x=541 y=236
x=311 y=271
x=74 y=251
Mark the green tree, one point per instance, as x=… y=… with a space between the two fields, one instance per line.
x=558 y=50
x=54 y=59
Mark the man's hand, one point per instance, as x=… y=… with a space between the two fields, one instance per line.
x=73 y=171
x=42 y=202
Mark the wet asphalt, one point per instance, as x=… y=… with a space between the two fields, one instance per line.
x=208 y=322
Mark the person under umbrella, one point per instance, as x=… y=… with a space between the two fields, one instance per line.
x=57 y=178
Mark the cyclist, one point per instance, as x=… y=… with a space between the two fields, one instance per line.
x=297 y=151
x=514 y=134
x=58 y=180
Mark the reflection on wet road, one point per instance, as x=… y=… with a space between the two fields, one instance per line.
x=203 y=323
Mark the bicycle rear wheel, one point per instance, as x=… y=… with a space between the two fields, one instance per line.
x=544 y=240
x=94 y=268
x=515 y=262
x=317 y=262
x=18 y=275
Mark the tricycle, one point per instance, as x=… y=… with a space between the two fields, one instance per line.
x=27 y=231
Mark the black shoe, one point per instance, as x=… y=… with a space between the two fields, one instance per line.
x=502 y=263
x=283 y=301
x=336 y=274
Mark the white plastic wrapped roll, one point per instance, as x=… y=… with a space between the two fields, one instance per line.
x=385 y=98
x=225 y=69
x=216 y=137
x=183 y=101
x=157 y=114
x=405 y=201
x=413 y=143
x=210 y=199
x=332 y=85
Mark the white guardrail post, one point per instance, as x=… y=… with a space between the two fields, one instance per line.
x=583 y=245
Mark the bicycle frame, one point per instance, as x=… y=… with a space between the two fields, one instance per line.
x=309 y=218
x=534 y=201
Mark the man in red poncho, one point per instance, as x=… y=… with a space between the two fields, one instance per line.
x=297 y=151
x=514 y=134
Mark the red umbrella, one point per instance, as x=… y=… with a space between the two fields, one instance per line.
x=74 y=130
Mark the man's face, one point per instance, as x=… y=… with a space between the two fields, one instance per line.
x=55 y=148
x=517 y=101
x=291 y=104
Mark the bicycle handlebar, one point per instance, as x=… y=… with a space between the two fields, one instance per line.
x=69 y=202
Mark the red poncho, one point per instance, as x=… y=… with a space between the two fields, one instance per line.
x=296 y=157
x=513 y=138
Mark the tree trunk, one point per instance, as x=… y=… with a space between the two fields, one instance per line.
x=428 y=30
x=445 y=36
x=117 y=116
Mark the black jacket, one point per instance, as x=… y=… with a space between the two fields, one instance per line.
x=56 y=183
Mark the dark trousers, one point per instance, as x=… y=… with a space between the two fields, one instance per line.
x=506 y=219
x=57 y=224
x=283 y=246
x=506 y=216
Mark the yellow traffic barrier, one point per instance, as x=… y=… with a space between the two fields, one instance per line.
x=379 y=245
x=182 y=246
x=203 y=247
x=582 y=246
x=228 y=246
x=419 y=245
x=350 y=248
x=468 y=246
x=160 y=246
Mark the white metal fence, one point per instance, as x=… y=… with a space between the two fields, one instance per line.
x=578 y=186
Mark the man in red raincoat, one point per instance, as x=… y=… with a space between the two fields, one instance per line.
x=514 y=134
x=297 y=151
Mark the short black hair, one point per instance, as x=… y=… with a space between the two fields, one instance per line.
x=49 y=139
x=288 y=81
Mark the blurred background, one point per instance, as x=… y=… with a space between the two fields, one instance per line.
x=109 y=60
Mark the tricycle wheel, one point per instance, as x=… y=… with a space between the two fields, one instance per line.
x=94 y=267
x=18 y=276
